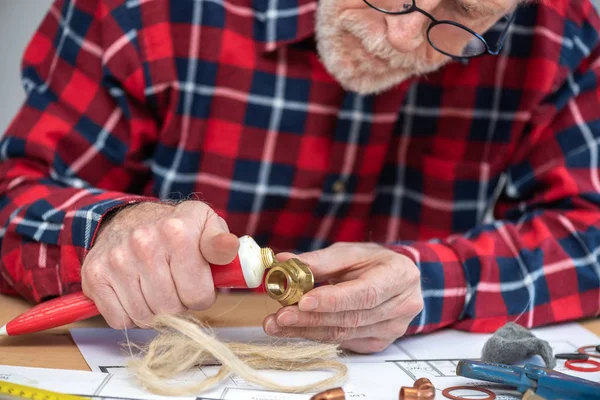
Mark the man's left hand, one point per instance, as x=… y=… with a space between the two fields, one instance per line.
x=372 y=296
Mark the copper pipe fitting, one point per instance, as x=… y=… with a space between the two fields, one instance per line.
x=287 y=281
x=422 y=389
x=331 y=394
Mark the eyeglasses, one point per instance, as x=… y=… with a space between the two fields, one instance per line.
x=447 y=37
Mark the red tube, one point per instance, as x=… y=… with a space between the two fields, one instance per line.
x=245 y=271
x=230 y=275
x=53 y=313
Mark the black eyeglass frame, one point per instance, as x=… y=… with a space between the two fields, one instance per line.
x=435 y=22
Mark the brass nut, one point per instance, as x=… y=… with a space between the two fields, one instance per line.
x=288 y=281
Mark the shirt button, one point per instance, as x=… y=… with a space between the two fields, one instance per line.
x=339 y=187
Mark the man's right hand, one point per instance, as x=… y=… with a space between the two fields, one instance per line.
x=153 y=258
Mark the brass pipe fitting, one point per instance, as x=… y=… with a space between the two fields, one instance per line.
x=422 y=389
x=267 y=257
x=331 y=394
x=288 y=281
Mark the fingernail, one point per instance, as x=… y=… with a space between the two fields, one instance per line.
x=308 y=304
x=287 y=318
x=272 y=328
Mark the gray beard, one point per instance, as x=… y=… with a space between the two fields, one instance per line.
x=346 y=65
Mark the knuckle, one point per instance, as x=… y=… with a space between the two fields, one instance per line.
x=352 y=319
x=200 y=300
x=314 y=319
x=141 y=241
x=117 y=258
x=339 y=333
x=371 y=297
x=334 y=304
x=173 y=228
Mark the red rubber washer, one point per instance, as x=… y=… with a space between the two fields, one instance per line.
x=446 y=392
x=571 y=365
x=584 y=350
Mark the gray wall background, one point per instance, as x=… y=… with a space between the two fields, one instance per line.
x=18 y=21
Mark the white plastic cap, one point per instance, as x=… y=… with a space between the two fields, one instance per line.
x=251 y=261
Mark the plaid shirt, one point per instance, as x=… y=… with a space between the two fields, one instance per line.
x=485 y=174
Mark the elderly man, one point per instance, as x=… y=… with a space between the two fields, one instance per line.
x=435 y=162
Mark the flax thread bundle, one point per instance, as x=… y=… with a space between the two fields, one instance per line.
x=183 y=343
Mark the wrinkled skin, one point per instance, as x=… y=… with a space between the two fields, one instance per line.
x=152 y=258
x=374 y=294
x=368 y=51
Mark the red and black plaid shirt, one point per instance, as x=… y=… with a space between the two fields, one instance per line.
x=485 y=174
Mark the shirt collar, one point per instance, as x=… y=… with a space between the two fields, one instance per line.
x=279 y=23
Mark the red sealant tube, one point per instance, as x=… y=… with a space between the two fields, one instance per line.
x=245 y=271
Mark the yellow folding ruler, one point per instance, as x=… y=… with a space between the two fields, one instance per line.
x=27 y=392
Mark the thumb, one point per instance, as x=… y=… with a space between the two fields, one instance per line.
x=217 y=245
x=326 y=263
